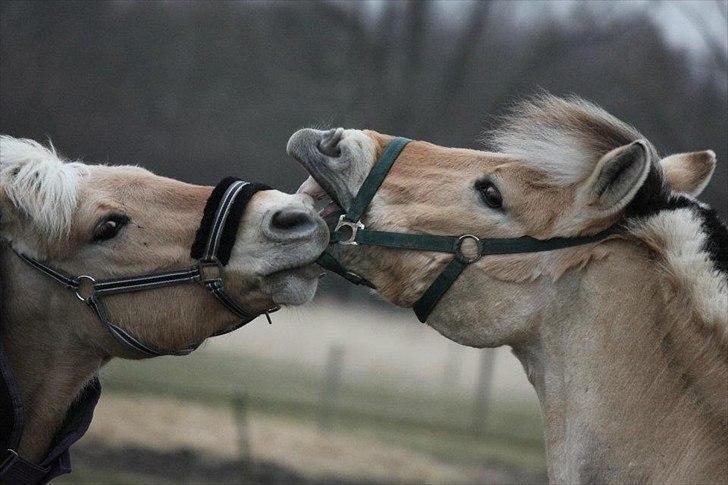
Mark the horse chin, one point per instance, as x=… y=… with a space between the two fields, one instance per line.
x=293 y=286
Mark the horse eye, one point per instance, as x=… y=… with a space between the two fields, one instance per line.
x=109 y=227
x=490 y=194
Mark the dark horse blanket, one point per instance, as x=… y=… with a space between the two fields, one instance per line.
x=13 y=468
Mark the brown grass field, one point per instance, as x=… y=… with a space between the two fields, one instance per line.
x=403 y=412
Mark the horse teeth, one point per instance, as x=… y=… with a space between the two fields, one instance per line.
x=312 y=188
x=330 y=209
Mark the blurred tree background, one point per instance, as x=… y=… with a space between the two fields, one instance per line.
x=198 y=90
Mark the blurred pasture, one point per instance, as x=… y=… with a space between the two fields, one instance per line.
x=371 y=397
x=346 y=389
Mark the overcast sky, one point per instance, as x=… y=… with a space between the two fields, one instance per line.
x=679 y=19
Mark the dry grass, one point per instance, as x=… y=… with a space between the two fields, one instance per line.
x=169 y=424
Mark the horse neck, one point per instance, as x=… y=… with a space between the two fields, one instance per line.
x=622 y=376
x=46 y=353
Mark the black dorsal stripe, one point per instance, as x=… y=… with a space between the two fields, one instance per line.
x=655 y=196
x=716 y=233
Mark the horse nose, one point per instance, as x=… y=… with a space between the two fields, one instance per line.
x=292 y=223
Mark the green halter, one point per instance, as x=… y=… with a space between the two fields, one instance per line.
x=359 y=234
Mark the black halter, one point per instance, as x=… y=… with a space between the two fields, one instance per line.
x=359 y=234
x=211 y=249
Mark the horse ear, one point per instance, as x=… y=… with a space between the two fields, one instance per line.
x=617 y=177
x=689 y=172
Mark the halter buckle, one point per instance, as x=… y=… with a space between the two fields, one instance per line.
x=209 y=271
x=459 y=249
x=353 y=227
x=86 y=288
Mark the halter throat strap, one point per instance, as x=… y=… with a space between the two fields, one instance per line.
x=212 y=249
x=351 y=231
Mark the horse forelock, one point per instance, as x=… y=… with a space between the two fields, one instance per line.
x=564 y=138
x=40 y=184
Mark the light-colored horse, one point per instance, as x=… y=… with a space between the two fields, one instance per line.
x=112 y=221
x=625 y=340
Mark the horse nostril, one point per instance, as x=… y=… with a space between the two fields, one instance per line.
x=292 y=220
x=329 y=143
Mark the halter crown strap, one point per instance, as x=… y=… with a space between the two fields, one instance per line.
x=359 y=234
x=374 y=180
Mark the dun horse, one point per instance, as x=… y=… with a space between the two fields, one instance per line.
x=107 y=222
x=624 y=337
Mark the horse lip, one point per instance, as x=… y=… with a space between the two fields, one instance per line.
x=321 y=180
x=313 y=189
x=308 y=262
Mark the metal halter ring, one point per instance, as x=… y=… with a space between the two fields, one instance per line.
x=353 y=227
x=459 y=249
x=209 y=271
x=86 y=288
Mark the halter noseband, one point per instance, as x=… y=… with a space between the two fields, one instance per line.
x=211 y=249
x=359 y=234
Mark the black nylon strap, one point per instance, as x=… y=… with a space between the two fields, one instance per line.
x=374 y=180
x=130 y=340
x=145 y=282
x=218 y=290
x=63 y=279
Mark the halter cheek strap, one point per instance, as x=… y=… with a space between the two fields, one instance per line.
x=351 y=231
x=212 y=249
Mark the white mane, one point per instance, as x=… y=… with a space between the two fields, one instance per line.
x=39 y=183
x=564 y=138
x=681 y=240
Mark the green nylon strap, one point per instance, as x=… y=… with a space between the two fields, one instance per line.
x=449 y=244
x=398 y=240
x=527 y=244
x=374 y=180
x=328 y=262
x=424 y=306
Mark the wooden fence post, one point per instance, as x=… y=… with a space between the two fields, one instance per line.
x=240 y=405
x=331 y=385
x=453 y=368
x=482 y=391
